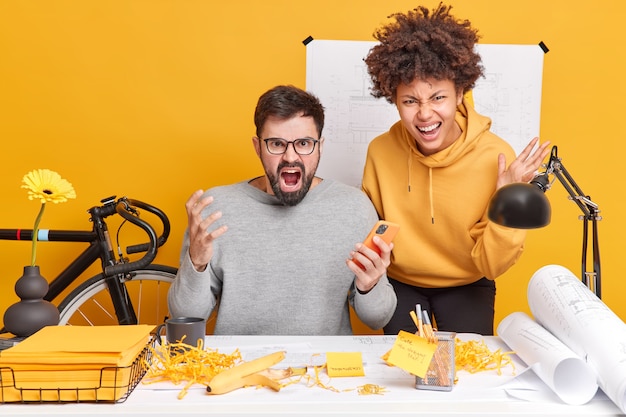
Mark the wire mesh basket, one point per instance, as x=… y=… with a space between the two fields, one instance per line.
x=441 y=371
x=103 y=385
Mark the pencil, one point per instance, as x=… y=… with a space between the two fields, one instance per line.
x=414 y=318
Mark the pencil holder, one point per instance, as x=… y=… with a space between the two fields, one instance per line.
x=440 y=374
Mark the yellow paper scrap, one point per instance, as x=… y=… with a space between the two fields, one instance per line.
x=412 y=353
x=344 y=364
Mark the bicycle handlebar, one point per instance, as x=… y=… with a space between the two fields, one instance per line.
x=126 y=208
x=143 y=247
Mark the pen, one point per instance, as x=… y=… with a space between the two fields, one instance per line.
x=428 y=329
x=420 y=326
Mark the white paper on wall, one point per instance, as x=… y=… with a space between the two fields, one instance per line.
x=510 y=94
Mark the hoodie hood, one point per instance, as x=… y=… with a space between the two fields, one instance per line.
x=472 y=125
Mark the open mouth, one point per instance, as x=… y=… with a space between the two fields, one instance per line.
x=430 y=130
x=290 y=178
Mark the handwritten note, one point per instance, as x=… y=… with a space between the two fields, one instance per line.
x=412 y=353
x=344 y=364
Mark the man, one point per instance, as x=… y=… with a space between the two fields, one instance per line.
x=274 y=251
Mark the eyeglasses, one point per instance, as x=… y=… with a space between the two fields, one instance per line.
x=278 y=146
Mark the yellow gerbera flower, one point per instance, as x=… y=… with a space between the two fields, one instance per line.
x=46 y=186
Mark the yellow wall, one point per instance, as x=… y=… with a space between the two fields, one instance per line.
x=153 y=99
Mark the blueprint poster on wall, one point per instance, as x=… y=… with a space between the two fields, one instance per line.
x=509 y=93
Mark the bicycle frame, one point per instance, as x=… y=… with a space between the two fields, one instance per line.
x=100 y=247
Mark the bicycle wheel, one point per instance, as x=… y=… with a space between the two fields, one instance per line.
x=90 y=304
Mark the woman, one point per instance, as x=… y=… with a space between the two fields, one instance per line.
x=435 y=170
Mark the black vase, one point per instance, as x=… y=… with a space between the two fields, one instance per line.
x=33 y=312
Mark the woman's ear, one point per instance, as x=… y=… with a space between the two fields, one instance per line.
x=459 y=96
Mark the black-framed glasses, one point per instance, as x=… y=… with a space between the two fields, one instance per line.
x=278 y=146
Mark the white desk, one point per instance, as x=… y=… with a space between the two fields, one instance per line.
x=474 y=394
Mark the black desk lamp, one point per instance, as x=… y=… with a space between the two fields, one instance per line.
x=525 y=206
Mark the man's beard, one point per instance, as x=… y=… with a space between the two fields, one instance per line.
x=293 y=198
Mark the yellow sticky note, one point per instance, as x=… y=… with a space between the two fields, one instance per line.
x=344 y=364
x=412 y=353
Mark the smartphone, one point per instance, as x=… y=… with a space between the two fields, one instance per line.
x=383 y=229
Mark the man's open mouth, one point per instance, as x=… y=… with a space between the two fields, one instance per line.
x=290 y=177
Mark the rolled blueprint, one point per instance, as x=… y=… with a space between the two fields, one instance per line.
x=570 y=377
x=565 y=307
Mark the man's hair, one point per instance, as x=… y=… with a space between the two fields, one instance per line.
x=285 y=102
x=421 y=44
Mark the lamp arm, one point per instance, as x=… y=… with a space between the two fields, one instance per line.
x=591 y=214
x=587 y=206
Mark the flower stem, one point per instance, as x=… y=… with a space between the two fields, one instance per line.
x=35 y=233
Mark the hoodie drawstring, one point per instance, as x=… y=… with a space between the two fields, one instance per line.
x=430 y=187
x=409 y=174
x=430 y=195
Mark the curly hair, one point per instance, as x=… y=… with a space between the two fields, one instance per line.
x=421 y=44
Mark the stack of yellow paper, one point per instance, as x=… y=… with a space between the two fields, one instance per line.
x=72 y=363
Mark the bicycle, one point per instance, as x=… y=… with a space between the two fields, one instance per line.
x=122 y=292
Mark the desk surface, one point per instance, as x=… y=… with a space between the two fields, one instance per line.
x=478 y=394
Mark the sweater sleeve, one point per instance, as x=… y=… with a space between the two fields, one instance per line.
x=376 y=307
x=191 y=294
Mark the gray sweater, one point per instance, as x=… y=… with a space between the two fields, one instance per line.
x=282 y=270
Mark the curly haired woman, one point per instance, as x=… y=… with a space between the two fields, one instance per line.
x=435 y=171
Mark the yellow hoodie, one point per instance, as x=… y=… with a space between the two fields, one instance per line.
x=440 y=202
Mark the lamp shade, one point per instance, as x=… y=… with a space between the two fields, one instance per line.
x=520 y=206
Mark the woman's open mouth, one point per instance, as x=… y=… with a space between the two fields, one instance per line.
x=429 y=131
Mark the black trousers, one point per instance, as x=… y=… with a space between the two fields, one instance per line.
x=465 y=309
